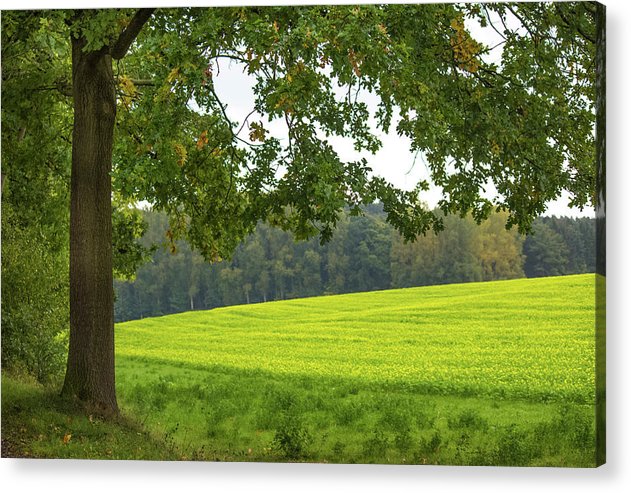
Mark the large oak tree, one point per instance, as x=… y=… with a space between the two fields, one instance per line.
x=140 y=87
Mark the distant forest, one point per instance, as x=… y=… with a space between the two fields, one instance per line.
x=365 y=254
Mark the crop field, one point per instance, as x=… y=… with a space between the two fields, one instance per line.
x=481 y=373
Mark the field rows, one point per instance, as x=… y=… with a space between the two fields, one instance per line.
x=529 y=339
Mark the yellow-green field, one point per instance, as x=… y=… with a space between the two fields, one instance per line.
x=443 y=374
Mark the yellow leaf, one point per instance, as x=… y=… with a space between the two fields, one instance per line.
x=464 y=47
x=202 y=141
x=128 y=89
x=67 y=438
x=180 y=150
x=123 y=22
x=495 y=148
x=456 y=23
x=173 y=74
x=355 y=60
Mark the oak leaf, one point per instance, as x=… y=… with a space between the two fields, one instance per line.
x=202 y=141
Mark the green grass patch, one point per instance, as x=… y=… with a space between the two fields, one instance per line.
x=248 y=416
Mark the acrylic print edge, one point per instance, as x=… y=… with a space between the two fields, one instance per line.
x=601 y=284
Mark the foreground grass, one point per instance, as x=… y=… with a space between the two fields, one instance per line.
x=228 y=415
x=37 y=423
x=196 y=415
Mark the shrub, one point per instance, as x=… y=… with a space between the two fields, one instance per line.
x=468 y=419
x=35 y=313
x=515 y=447
x=430 y=446
x=376 y=445
x=292 y=439
x=346 y=412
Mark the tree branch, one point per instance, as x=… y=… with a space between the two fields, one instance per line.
x=524 y=24
x=567 y=22
x=245 y=120
x=129 y=34
x=488 y=17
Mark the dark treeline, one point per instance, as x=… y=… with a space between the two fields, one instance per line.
x=365 y=254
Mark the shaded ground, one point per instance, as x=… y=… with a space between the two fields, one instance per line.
x=38 y=423
x=10 y=450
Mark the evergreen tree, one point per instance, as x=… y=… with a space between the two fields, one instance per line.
x=545 y=251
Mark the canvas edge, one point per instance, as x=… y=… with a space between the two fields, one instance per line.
x=600 y=278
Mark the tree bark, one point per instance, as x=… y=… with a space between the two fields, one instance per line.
x=90 y=374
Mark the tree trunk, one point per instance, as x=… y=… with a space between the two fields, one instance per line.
x=90 y=368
